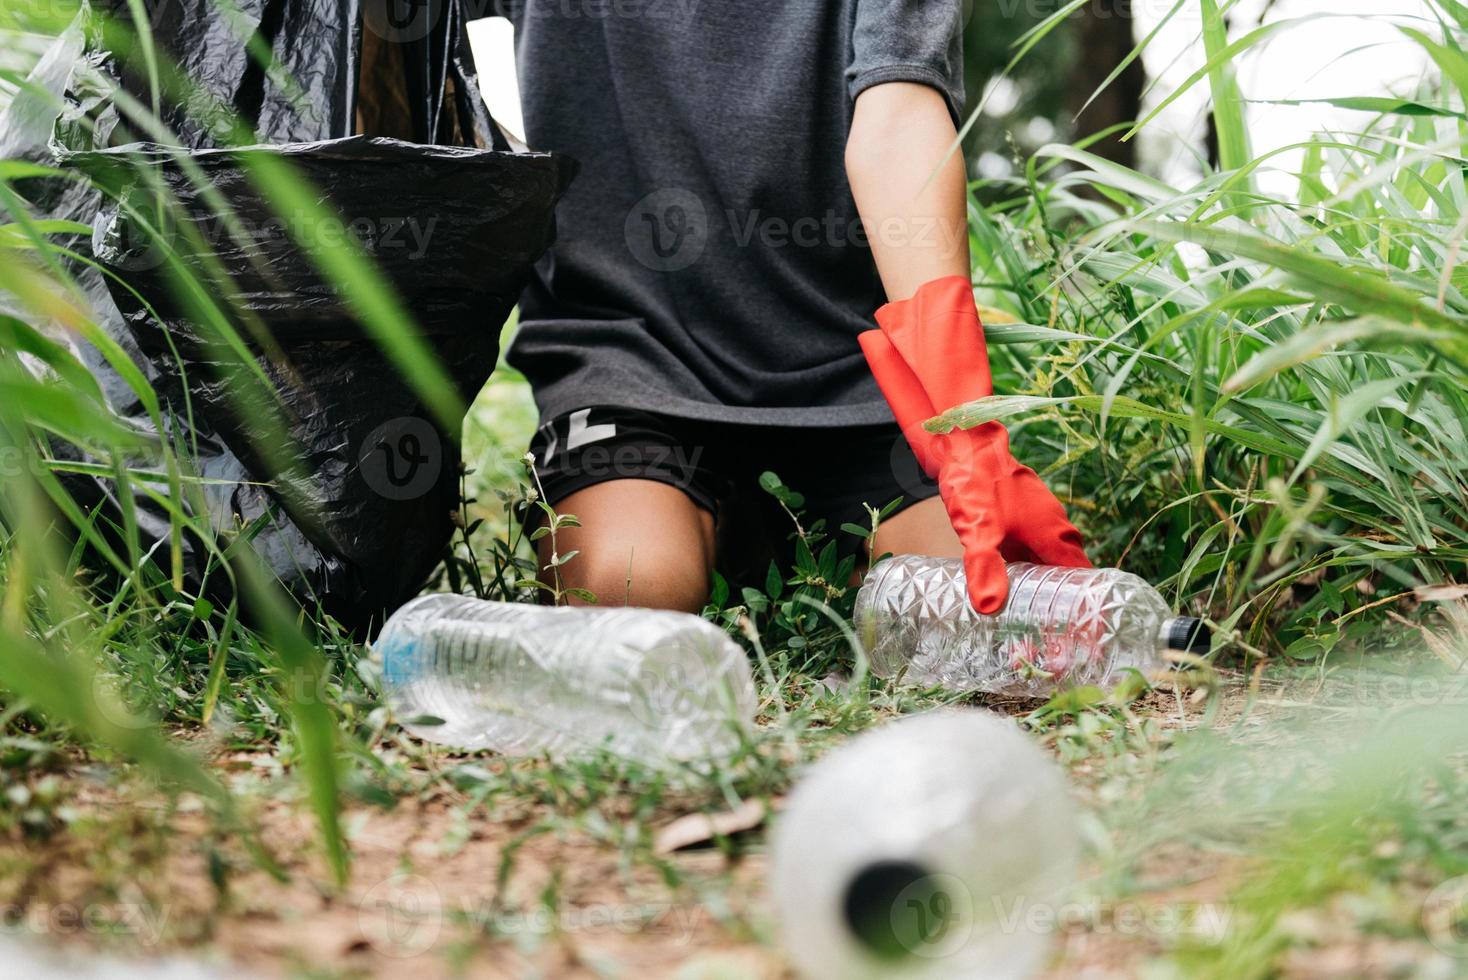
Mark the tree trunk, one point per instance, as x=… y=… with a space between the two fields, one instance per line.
x=1104 y=37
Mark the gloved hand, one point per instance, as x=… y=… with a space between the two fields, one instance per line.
x=929 y=356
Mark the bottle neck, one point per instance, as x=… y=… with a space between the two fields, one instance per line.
x=1185 y=634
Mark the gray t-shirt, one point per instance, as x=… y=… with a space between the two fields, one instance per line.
x=710 y=262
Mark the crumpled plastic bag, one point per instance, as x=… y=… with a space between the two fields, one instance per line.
x=362 y=514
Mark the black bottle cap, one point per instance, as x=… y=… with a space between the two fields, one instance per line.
x=1190 y=634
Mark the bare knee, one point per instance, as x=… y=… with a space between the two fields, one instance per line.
x=922 y=529
x=614 y=579
x=637 y=543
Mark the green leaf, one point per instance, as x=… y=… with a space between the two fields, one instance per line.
x=1314 y=341
x=1453 y=63
x=1385 y=106
x=11 y=170
x=1358 y=290
x=1228 y=101
x=719 y=595
x=827 y=562
x=774 y=582
x=805 y=562
x=13 y=236
x=999 y=407
x=1305 y=648
x=215 y=681
x=21 y=336
x=1075 y=700
x=1225 y=92
x=1344 y=412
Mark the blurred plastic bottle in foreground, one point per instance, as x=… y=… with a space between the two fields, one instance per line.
x=522 y=679
x=938 y=846
x=1061 y=627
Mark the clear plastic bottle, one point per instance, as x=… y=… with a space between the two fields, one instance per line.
x=938 y=846
x=1061 y=627
x=522 y=679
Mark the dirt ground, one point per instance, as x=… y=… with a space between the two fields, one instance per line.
x=422 y=898
x=134 y=876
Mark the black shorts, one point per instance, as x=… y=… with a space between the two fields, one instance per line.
x=838 y=472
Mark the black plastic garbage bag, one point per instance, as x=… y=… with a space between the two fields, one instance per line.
x=399 y=68
x=362 y=516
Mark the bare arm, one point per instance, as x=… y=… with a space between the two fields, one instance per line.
x=900 y=135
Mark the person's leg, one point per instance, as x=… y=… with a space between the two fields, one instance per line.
x=842 y=471
x=644 y=497
x=639 y=543
x=921 y=529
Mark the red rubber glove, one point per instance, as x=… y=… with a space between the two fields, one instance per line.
x=928 y=357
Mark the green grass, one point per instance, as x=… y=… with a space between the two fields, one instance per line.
x=1257 y=403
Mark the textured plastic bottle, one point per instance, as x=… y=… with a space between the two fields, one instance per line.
x=523 y=679
x=1061 y=627
x=938 y=846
